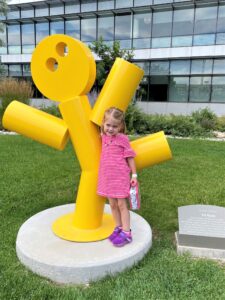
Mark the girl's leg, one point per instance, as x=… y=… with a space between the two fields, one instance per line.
x=115 y=211
x=125 y=214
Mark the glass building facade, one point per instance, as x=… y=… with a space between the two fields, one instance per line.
x=179 y=44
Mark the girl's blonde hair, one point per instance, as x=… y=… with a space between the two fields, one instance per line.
x=117 y=114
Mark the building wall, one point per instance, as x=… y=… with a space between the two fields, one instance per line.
x=180 y=44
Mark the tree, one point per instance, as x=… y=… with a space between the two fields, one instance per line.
x=107 y=55
x=3 y=10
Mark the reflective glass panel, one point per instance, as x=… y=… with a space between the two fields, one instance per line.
x=106 y=28
x=72 y=7
x=56 y=27
x=26 y=70
x=178 y=89
x=27 y=12
x=142 y=91
x=159 y=68
x=142 y=2
x=205 y=20
x=105 y=4
x=180 y=67
x=124 y=3
x=123 y=27
x=142 y=25
x=218 y=89
x=204 y=39
x=219 y=66
x=141 y=43
x=73 y=28
x=158 y=88
x=143 y=65
x=88 y=30
x=181 y=41
x=161 y=42
x=5 y=71
x=13 y=35
x=220 y=38
x=88 y=5
x=162 y=23
x=56 y=9
x=41 y=11
x=3 y=49
x=201 y=66
x=13 y=14
x=183 y=21
x=15 y=70
x=221 y=19
x=42 y=30
x=162 y=1
x=125 y=44
x=200 y=89
x=28 y=38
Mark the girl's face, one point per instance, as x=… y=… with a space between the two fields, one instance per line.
x=111 y=126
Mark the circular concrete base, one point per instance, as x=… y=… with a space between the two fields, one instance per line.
x=71 y=262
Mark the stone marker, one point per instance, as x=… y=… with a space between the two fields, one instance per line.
x=201 y=231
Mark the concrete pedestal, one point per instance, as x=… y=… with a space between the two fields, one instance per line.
x=77 y=263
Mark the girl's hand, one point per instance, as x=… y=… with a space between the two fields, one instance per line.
x=133 y=181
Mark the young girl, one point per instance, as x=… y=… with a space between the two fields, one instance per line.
x=116 y=163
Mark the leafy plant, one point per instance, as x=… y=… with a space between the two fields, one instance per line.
x=205 y=118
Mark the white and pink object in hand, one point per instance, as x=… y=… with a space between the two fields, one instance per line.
x=134 y=197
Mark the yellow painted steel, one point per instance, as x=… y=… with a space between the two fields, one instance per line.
x=62 y=67
x=64 y=70
x=151 y=149
x=36 y=124
x=118 y=89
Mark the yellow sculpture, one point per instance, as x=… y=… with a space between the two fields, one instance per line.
x=64 y=70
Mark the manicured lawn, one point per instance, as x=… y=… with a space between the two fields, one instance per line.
x=34 y=177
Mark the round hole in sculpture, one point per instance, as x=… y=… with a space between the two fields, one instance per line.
x=52 y=64
x=62 y=49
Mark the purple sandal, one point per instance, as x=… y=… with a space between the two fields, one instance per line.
x=122 y=239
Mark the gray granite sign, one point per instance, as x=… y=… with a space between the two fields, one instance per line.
x=201 y=226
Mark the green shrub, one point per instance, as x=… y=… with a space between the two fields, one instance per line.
x=220 y=124
x=52 y=110
x=205 y=118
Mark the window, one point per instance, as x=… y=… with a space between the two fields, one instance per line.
x=15 y=70
x=124 y=3
x=204 y=39
x=14 y=39
x=3 y=49
x=218 y=89
x=28 y=38
x=201 y=66
x=88 y=30
x=183 y=22
x=41 y=11
x=159 y=68
x=143 y=65
x=26 y=70
x=142 y=25
x=13 y=14
x=123 y=27
x=181 y=41
x=105 y=4
x=88 y=5
x=162 y=24
x=27 y=12
x=220 y=38
x=221 y=19
x=73 y=28
x=178 y=89
x=42 y=30
x=200 y=89
x=205 y=20
x=142 y=2
x=106 y=28
x=56 y=9
x=163 y=42
x=72 y=7
x=219 y=66
x=56 y=27
x=180 y=67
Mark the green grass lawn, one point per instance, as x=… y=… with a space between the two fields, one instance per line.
x=34 y=177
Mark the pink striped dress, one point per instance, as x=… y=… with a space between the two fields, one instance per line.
x=114 y=172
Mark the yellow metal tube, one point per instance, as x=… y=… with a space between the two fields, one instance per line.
x=36 y=124
x=151 y=150
x=118 y=89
